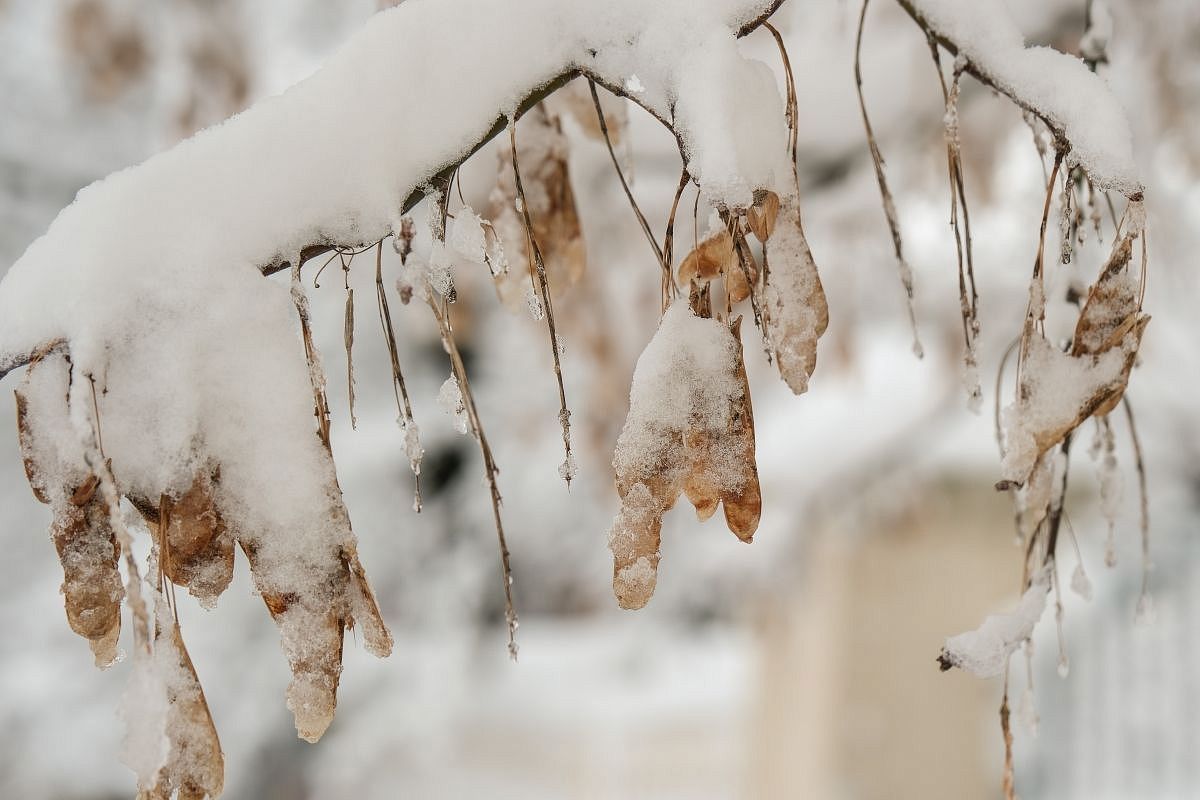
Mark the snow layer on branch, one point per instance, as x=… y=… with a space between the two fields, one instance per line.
x=1056 y=85
x=291 y=171
x=985 y=650
x=152 y=275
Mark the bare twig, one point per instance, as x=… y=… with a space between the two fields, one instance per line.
x=1143 y=495
x=542 y=282
x=441 y=312
x=403 y=404
x=889 y=204
x=641 y=218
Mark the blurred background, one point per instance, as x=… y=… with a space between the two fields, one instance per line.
x=801 y=666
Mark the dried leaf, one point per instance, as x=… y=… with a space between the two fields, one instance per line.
x=310 y=628
x=722 y=466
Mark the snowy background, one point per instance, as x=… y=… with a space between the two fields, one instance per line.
x=800 y=666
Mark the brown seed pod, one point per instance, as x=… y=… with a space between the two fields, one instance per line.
x=796 y=312
x=311 y=621
x=195 y=766
x=761 y=216
x=198 y=546
x=81 y=531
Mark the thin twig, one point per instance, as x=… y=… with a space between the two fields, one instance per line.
x=348 y=336
x=316 y=375
x=441 y=312
x=889 y=204
x=641 y=218
x=403 y=404
x=1143 y=494
x=543 y=285
x=668 y=248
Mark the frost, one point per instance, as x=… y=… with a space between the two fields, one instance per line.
x=985 y=650
x=412 y=443
x=534 y=302
x=634 y=85
x=441 y=275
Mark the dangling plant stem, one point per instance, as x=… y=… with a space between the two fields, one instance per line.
x=968 y=296
x=670 y=288
x=889 y=204
x=348 y=336
x=543 y=285
x=668 y=280
x=399 y=390
x=1144 y=499
x=316 y=375
x=1035 y=312
x=441 y=312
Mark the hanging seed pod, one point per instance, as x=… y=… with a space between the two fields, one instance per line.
x=796 y=315
x=199 y=551
x=195 y=766
x=716 y=257
x=689 y=430
x=81 y=531
x=761 y=216
x=722 y=466
x=1059 y=391
x=310 y=625
x=742 y=498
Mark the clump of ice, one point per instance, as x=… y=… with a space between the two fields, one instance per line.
x=450 y=399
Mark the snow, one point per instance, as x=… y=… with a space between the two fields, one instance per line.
x=684 y=380
x=1056 y=389
x=984 y=651
x=1057 y=86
